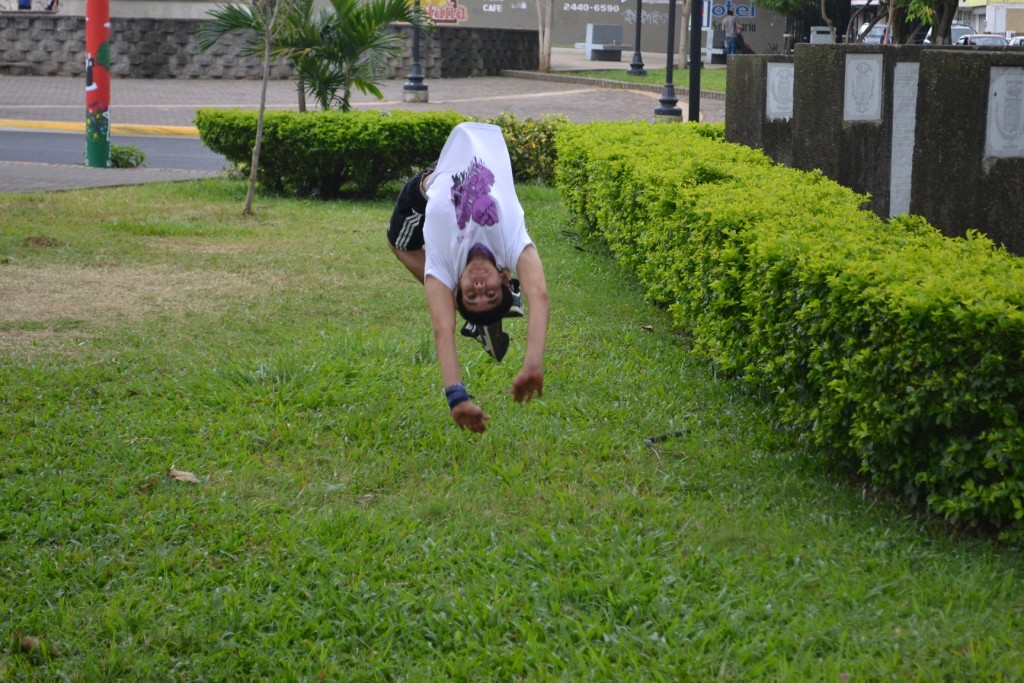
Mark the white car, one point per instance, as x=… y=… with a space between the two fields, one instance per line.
x=1017 y=41
x=874 y=35
x=955 y=32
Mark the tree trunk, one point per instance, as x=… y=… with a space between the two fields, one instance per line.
x=684 y=34
x=270 y=12
x=301 y=87
x=944 y=13
x=828 y=22
x=851 y=33
x=545 y=20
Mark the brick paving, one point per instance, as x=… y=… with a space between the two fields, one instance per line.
x=165 y=107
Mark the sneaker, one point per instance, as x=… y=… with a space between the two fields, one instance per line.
x=517 y=310
x=494 y=340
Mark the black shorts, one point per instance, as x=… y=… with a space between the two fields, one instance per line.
x=405 y=231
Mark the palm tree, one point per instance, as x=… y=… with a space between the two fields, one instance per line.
x=261 y=21
x=345 y=47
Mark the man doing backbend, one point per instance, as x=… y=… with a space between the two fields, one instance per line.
x=459 y=229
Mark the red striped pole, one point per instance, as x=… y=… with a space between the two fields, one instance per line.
x=97 y=83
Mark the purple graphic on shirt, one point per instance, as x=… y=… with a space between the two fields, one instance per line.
x=470 y=195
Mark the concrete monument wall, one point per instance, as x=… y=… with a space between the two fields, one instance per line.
x=760 y=104
x=932 y=131
x=843 y=105
x=969 y=152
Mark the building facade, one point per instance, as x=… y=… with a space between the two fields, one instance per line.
x=762 y=29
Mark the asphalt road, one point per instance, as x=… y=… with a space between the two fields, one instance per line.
x=62 y=147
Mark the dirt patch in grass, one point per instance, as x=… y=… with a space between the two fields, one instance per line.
x=41 y=302
x=42 y=241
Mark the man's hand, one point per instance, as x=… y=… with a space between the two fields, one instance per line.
x=526 y=383
x=469 y=416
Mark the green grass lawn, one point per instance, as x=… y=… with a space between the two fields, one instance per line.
x=343 y=529
x=711 y=80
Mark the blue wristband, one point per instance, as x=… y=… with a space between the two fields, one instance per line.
x=456 y=394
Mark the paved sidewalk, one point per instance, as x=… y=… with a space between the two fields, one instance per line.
x=167 y=107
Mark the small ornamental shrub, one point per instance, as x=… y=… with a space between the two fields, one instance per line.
x=126 y=156
x=531 y=145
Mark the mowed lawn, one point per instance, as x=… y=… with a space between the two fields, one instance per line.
x=646 y=520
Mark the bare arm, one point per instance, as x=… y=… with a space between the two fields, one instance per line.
x=530 y=379
x=441 y=302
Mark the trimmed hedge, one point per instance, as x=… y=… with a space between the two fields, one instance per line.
x=531 y=145
x=888 y=345
x=333 y=154
x=328 y=154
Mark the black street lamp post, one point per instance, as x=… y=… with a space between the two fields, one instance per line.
x=636 y=67
x=696 y=64
x=415 y=90
x=668 y=112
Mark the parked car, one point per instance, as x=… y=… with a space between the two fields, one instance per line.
x=987 y=39
x=1017 y=41
x=956 y=31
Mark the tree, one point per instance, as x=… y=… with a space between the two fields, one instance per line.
x=345 y=47
x=684 y=33
x=938 y=13
x=260 y=20
x=545 y=21
x=799 y=12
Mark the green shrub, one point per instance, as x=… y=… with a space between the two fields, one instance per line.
x=334 y=154
x=531 y=145
x=126 y=156
x=328 y=154
x=888 y=345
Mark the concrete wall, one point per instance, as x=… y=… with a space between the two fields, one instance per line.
x=759 y=100
x=42 y=44
x=937 y=132
x=843 y=114
x=969 y=152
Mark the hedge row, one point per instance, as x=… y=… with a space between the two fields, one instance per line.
x=333 y=154
x=890 y=346
x=328 y=154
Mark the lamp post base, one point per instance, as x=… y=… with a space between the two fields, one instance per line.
x=417 y=95
x=668 y=112
x=636 y=67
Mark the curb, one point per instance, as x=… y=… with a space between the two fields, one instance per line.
x=606 y=83
x=119 y=128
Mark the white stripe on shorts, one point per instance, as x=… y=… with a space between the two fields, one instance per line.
x=405 y=235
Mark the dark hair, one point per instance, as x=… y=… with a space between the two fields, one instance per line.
x=491 y=315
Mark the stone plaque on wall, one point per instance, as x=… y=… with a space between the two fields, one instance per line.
x=904 y=117
x=779 y=93
x=1004 y=133
x=862 y=94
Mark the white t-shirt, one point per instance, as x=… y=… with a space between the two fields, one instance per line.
x=472 y=200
